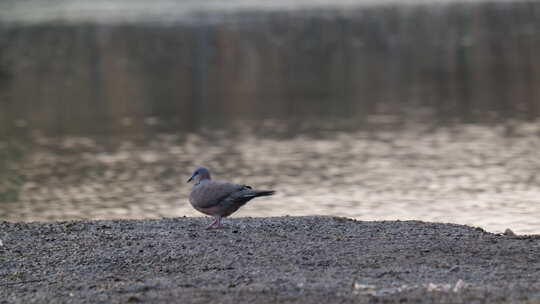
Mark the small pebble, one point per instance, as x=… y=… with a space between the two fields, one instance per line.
x=509 y=232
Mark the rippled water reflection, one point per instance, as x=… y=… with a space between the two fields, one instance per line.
x=479 y=175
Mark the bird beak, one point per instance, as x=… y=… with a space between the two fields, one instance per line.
x=190 y=179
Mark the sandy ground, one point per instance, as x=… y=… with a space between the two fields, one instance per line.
x=265 y=260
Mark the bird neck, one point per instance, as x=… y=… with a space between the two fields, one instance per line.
x=202 y=180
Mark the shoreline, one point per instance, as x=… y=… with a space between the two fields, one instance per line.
x=265 y=260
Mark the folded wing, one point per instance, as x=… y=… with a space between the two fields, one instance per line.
x=210 y=194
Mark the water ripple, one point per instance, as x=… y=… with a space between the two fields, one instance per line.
x=468 y=174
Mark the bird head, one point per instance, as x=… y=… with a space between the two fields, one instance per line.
x=199 y=175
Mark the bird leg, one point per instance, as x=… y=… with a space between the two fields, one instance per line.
x=213 y=223
x=216 y=223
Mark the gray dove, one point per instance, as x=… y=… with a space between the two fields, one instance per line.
x=219 y=199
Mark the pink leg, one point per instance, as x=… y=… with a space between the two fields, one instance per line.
x=216 y=223
x=213 y=223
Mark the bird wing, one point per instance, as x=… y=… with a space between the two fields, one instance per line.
x=209 y=194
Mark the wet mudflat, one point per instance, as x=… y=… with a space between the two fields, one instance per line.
x=265 y=260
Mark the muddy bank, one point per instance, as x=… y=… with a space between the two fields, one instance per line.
x=265 y=260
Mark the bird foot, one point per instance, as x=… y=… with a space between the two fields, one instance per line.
x=216 y=227
x=216 y=224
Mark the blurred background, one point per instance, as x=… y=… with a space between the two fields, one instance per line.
x=377 y=110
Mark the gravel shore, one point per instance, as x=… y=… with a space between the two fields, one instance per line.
x=265 y=260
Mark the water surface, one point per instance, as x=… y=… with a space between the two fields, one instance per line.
x=106 y=107
x=482 y=175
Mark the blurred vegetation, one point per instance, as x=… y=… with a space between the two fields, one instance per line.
x=461 y=61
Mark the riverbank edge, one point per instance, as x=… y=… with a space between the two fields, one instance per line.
x=264 y=260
